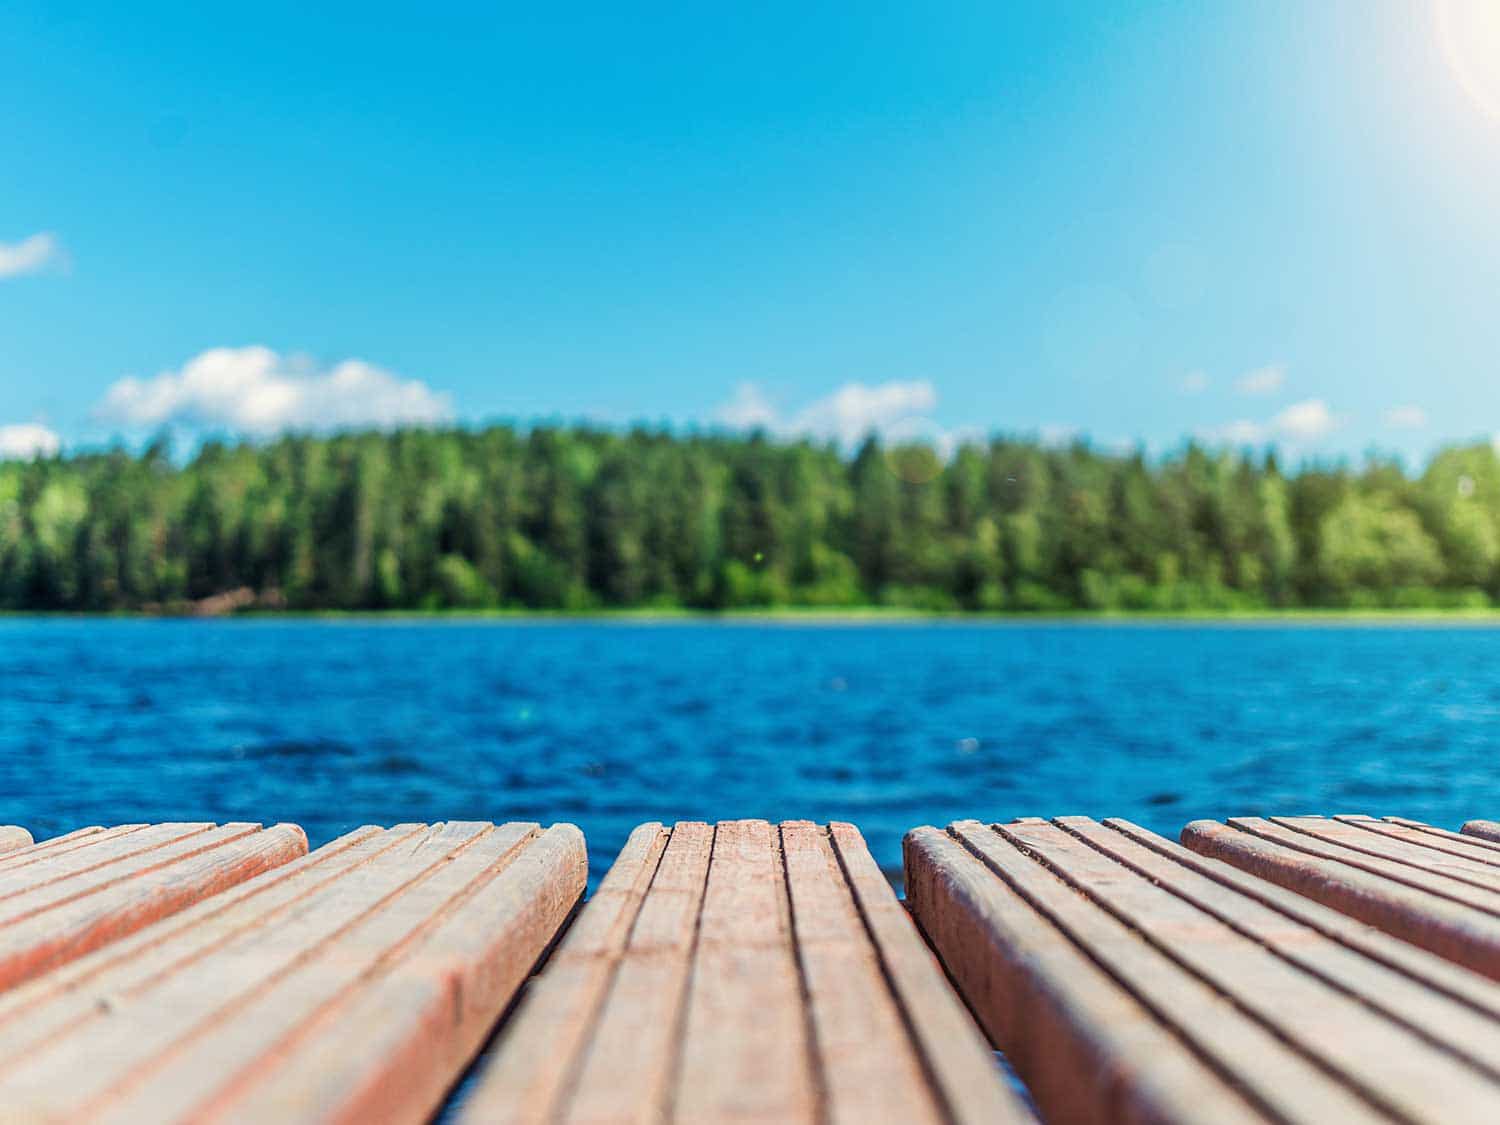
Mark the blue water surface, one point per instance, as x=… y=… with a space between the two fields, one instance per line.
x=333 y=724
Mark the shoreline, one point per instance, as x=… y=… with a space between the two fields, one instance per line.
x=802 y=615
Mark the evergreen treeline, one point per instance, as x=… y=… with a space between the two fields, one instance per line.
x=579 y=518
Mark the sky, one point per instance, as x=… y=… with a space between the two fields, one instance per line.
x=1249 y=223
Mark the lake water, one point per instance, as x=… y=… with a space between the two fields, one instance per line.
x=607 y=724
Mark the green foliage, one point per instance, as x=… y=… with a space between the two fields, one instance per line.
x=461 y=586
x=579 y=518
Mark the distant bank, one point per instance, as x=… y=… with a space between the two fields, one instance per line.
x=589 y=520
x=852 y=615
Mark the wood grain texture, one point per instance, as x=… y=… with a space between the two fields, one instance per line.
x=1460 y=1006
x=1087 y=1049
x=1482 y=829
x=1454 y=843
x=63 y=898
x=1419 y=886
x=634 y=1035
x=869 y=1066
x=81 y=837
x=746 y=1053
x=1130 y=979
x=529 y=1071
x=742 y=972
x=353 y=984
x=962 y=1068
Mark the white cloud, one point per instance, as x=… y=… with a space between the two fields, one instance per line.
x=27 y=441
x=257 y=391
x=1305 y=421
x=1194 y=382
x=1406 y=418
x=895 y=409
x=1263 y=381
x=1299 y=423
x=30 y=255
x=749 y=409
x=856 y=410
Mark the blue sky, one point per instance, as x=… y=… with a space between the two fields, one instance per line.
x=1270 y=221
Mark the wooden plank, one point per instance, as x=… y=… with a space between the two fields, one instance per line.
x=1425 y=835
x=1129 y=977
x=151 y=1018
x=1088 y=1049
x=354 y=986
x=54 y=882
x=961 y=1067
x=868 y=1064
x=1446 y=915
x=1283 y=1082
x=74 y=895
x=280 y=978
x=1436 y=979
x=58 y=844
x=1426 y=858
x=1280 y=976
x=13 y=838
x=113 y=975
x=1482 y=829
x=746 y=1054
x=72 y=858
x=768 y=974
x=1328 y=839
x=528 y=1071
x=394 y=1044
x=629 y=1059
x=1486 y=847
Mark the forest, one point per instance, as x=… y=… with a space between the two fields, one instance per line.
x=580 y=519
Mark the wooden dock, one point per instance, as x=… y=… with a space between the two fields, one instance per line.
x=742 y=972
x=353 y=984
x=1298 y=969
x=1436 y=889
x=62 y=898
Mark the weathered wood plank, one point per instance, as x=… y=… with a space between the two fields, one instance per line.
x=111 y=976
x=393 y=1046
x=104 y=853
x=1429 y=836
x=354 y=985
x=961 y=1065
x=1386 y=1062
x=527 y=1073
x=1280 y=1080
x=51 y=889
x=1482 y=829
x=869 y=1065
x=629 y=1060
x=57 y=844
x=1426 y=859
x=768 y=975
x=1327 y=839
x=1444 y=1001
x=199 y=1029
x=1088 y=1049
x=745 y=1053
x=65 y=899
x=1439 y=910
x=1307 y=1014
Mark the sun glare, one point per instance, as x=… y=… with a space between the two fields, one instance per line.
x=1470 y=34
